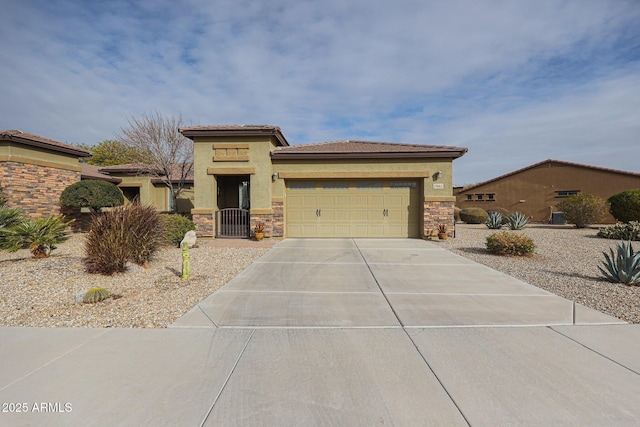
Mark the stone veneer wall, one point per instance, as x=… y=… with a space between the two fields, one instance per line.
x=267 y=219
x=436 y=213
x=204 y=225
x=278 y=218
x=35 y=189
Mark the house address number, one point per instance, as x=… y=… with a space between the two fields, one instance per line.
x=438 y=186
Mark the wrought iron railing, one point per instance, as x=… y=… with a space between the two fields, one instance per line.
x=232 y=222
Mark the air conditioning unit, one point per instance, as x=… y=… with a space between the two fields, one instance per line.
x=557 y=218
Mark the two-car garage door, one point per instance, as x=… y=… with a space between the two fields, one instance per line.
x=353 y=208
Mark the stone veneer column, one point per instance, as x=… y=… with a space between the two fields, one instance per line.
x=204 y=224
x=33 y=188
x=266 y=219
x=277 y=204
x=436 y=213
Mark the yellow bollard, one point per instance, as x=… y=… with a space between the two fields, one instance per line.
x=186 y=261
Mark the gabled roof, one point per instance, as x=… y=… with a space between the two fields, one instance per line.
x=38 y=141
x=235 y=130
x=365 y=150
x=93 y=172
x=139 y=168
x=549 y=161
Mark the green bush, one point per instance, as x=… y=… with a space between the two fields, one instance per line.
x=502 y=211
x=625 y=206
x=39 y=235
x=3 y=200
x=93 y=194
x=474 y=215
x=509 y=243
x=132 y=233
x=623 y=266
x=583 y=209
x=174 y=228
x=621 y=231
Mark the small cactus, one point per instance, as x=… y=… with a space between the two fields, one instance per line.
x=95 y=295
x=494 y=221
x=517 y=221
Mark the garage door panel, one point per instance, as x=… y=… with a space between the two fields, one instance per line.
x=353 y=209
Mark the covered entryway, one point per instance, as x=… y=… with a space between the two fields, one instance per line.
x=352 y=208
x=232 y=216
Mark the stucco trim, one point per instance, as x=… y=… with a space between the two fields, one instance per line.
x=226 y=145
x=130 y=184
x=277 y=200
x=354 y=175
x=439 y=198
x=231 y=171
x=261 y=211
x=202 y=211
x=31 y=161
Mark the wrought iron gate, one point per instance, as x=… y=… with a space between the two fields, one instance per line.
x=233 y=223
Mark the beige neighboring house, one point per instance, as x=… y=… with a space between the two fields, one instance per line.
x=244 y=174
x=536 y=190
x=35 y=170
x=139 y=187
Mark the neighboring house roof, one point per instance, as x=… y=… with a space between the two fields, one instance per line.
x=364 y=150
x=139 y=168
x=235 y=130
x=549 y=161
x=93 y=172
x=40 y=142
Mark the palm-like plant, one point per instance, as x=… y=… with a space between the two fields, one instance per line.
x=40 y=235
x=622 y=267
x=10 y=217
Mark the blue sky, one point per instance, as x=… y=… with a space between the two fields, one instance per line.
x=516 y=82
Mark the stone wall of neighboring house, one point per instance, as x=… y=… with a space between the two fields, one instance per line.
x=33 y=188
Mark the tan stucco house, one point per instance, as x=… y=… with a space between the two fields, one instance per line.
x=537 y=189
x=35 y=170
x=244 y=174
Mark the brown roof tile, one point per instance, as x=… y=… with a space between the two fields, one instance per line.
x=93 y=172
x=38 y=141
x=135 y=168
x=235 y=130
x=365 y=149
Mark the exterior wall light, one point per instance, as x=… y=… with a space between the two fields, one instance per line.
x=438 y=174
x=274 y=176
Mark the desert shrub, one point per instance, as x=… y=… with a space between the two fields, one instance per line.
x=132 y=233
x=623 y=266
x=509 y=243
x=625 y=206
x=502 y=211
x=39 y=235
x=494 y=221
x=517 y=221
x=174 y=228
x=10 y=217
x=621 y=231
x=95 y=295
x=583 y=209
x=93 y=194
x=474 y=215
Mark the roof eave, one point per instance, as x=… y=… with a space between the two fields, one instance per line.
x=67 y=150
x=277 y=155
x=276 y=133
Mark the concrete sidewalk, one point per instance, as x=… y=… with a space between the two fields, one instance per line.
x=339 y=332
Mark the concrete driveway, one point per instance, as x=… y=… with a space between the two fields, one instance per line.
x=345 y=333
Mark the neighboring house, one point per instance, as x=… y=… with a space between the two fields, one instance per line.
x=35 y=170
x=139 y=187
x=537 y=189
x=248 y=173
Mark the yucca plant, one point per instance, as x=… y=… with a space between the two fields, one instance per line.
x=494 y=221
x=622 y=267
x=10 y=217
x=517 y=221
x=40 y=235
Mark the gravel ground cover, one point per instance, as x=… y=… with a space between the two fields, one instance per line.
x=41 y=292
x=565 y=262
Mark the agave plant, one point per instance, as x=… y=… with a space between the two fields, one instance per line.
x=40 y=235
x=623 y=267
x=517 y=221
x=494 y=221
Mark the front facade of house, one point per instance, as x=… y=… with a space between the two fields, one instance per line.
x=537 y=189
x=35 y=170
x=249 y=174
